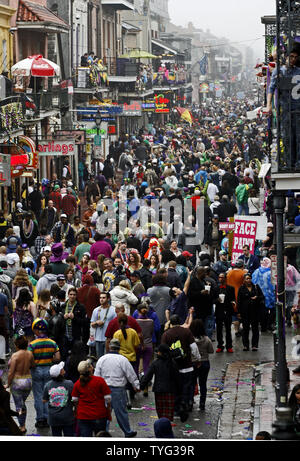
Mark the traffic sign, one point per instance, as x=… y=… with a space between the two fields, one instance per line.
x=97 y=140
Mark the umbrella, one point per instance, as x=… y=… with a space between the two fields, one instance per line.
x=138 y=54
x=185 y=114
x=35 y=66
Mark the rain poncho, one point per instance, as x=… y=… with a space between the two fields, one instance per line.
x=262 y=278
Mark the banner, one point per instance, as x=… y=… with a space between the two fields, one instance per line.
x=244 y=234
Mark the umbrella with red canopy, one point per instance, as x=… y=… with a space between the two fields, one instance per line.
x=35 y=66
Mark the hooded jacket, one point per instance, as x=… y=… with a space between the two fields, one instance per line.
x=45 y=282
x=122 y=295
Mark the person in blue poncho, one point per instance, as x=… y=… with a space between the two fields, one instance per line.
x=262 y=278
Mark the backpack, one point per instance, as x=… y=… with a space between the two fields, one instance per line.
x=177 y=353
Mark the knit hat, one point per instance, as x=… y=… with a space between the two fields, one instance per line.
x=266 y=262
x=40 y=324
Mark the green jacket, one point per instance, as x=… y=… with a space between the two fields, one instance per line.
x=241 y=193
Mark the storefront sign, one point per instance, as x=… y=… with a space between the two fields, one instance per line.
x=134 y=109
x=77 y=135
x=244 y=234
x=162 y=104
x=62 y=147
x=148 y=105
x=5 y=170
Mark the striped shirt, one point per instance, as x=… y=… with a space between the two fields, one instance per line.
x=43 y=350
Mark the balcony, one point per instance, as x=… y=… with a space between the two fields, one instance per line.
x=12 y=112
x=90 y=79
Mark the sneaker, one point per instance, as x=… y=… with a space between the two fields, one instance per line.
x=246 y=349
x=230 y=350
x=255 y=349
x=183 y=417
x=219 y=349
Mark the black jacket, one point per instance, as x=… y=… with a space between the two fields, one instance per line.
x=173 y=279
x=226 y=307
x=247 y=307
x=208 y=235
x=201 y=302
x=79 y=320
x=146 y=278
x=57 y=327
x=166 y=376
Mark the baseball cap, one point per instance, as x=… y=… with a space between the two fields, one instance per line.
x=56 y=369
x=61 y=277
x=222 y=252
x=56 y=187
x=63 y=215
x=12 y=243
x=114 y=344
x=46 y=248
x=239 y=263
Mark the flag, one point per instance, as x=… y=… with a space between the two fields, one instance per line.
x=203 y=63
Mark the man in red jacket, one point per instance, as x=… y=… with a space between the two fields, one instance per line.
x=69 y=205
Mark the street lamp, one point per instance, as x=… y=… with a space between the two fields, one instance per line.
x=98 y=121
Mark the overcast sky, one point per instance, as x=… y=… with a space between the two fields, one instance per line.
x=237 y=20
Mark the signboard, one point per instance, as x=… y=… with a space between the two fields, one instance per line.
x=244 y=234
x=97 y=140
x=261 y=228
x=226 y=226
x=162 y=104
x=274 y=268
x=204 y=88
x=134 y=109
x=77 y=135
x=148 y=105
x=5 y=170
x=97 y=152
x=54 y=147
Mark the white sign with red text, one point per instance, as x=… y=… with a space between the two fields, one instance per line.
x=244 y=234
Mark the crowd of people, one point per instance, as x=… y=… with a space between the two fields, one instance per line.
x=90 y=318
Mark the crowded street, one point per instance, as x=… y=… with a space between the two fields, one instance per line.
x=149 y=233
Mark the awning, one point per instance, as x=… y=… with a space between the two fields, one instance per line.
x=118 y=4
x=32 y=16
x=127 y=26
x=122 y=78
x=164 y=46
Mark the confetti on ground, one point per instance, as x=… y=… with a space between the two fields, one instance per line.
x=137 y=409
x=173 y=424
x=187 y=425
x=146 y=429
x=207 y=422
x=154 y=417
x=237 y=433
x=142 y=424
x=148 y=408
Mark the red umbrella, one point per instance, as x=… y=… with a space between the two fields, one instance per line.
x=35 y=66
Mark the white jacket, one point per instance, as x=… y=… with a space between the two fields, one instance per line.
x=122 y=295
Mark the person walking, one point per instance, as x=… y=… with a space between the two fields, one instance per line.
x=249 y=302
x=116 y=370
x=92 y=398
x=19 y=379
x=167 y=382
x=100 y=319
x=223 y=313
x=44 y=352
x=205 y=347
x=57 y=394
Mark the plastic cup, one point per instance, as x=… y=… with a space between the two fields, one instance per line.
x=222 y=298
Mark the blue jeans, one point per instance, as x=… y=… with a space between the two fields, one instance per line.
x=40 y=376
x=119 y=405
x=88 y=427
x=243 y=207
x=20 y=390
x=209 y=325
x=100 y=348
x=58 y=431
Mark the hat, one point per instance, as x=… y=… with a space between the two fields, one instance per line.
x=63 y=215
x=60 y=277
x=19 y=205
x=239 y=263
x=40 y=324
x=216 y=216
x=186 y=254
x=84 y=367
x=266 y=262
x=69 y=183
x=270 y=224
x=114 y=344
x=12 y=259
x=135 y=274
x=56 y=369
x=222 y=252
x=58 y=253
x=46 y=248
x=56 y=187
x=12 y=243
